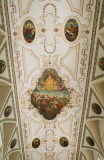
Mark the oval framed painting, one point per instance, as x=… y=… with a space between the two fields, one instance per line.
x=64 y=142
x=13 y=143
x=36 y=143
x=96 y=108
x=71 y=30
x=101 y=63
x=2 y=66
x=90 y=141
x=29 y=31
x=7 y=111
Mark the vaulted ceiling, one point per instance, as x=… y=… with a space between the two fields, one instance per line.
x=52 y=79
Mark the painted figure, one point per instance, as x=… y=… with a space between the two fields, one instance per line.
x=29 y=31
x=71 y=30
x=50 y=95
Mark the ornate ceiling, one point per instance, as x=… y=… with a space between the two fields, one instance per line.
x=51 y=79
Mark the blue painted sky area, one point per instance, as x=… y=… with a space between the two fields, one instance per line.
x=64 y=93
x=73 y=21
x=29 y=22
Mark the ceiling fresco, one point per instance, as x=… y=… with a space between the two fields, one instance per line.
x=52 y=76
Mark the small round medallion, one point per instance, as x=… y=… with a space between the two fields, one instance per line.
x=13 y=143
x=90 y=141
x=36 y=143
x=7 y=111
x=96 y=108
x=43 y=30
x=55 y=29
x=2 y=66
x=64 y=142
x=101 y=63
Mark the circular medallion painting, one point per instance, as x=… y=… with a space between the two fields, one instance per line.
x=71 y=30
x=64 y=142
x=7 y=111
x=2 y=66
x=90 y=141
x=96 y=108
x=36 y=143
x=29 y=31
x=101 y=63
x=13 y=143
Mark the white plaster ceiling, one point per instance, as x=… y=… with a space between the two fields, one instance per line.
x=76 y=62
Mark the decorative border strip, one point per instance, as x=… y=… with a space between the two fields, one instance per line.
x=13 y=72
x=88 y=74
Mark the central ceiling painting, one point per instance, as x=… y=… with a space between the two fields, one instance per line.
x=50 y=95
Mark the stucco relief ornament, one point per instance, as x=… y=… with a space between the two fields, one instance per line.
x=49 y=155
x=50 y=94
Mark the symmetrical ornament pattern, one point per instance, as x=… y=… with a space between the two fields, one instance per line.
x=50 y=54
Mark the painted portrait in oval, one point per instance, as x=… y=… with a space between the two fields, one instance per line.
x=71 y=30
x=36 y=143
x=64 y=142
x=2 y=66
x=101 y=63
x=7 y=111
x=29 y=31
